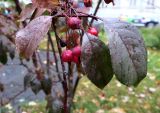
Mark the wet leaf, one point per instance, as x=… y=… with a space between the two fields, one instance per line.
x=45 y=3
x=96 y=61
x=28 y=38
x=118 y=24
x=128 y=52
x=40 y=11
x=27 y=12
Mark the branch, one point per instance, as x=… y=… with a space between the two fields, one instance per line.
x=18 y=8
x=11 y=98
x=54 y=54
x=95 y=12
x=48 y=56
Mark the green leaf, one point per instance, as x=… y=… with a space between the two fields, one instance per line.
x=96 y=61
x=128 y=52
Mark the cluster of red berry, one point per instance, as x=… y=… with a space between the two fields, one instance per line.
x=73 y=54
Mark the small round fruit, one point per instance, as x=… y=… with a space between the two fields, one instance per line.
x=76 y=51
x=67 y=56
x=93 y=31
x=88 y=3
x=75 y=59
x=74 y=23
x=109 y=1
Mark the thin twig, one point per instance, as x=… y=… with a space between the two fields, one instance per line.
x=54 y=55
x=95 y=12
x=18 y=8
x=48 y=56
x=12 y=98
x=65 y=88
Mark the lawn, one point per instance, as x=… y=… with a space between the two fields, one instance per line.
x=117 y=98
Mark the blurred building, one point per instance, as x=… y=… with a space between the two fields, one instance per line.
x=138 y=3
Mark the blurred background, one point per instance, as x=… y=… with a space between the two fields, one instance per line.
x=115 y=98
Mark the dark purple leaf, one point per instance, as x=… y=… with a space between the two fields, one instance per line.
x=128 y=52
x=96 y=61
x=45 y=3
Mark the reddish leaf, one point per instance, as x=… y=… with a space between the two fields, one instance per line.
x=28 y=38
x=45 y=3
x=40 y=11
x=27 y=12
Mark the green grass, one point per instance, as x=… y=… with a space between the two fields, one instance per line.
x=151 y=37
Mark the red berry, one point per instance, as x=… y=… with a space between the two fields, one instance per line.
x=67 y=56
x=74 y=23
x=93 y=31
x=109 y=1
x=88 y=3
x=75 y=59
x=76 y=51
